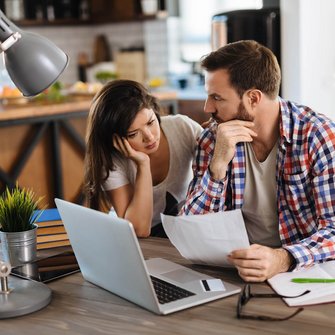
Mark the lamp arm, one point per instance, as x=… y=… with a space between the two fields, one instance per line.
x=7 y=36
x=7 y=27
x=10 y=41
x=4 y=24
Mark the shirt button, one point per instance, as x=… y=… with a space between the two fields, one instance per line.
x=220 y=189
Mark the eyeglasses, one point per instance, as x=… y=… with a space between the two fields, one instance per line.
x=246 y=295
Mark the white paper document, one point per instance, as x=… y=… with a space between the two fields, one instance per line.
x=207 y=238
x=319 y=292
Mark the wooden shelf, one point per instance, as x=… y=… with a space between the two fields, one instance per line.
x=101 y=12
x=75 y=22
x=56 y=22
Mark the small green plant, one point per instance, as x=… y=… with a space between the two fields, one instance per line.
x=105 y=76
x=17 y=208
x=52 y=94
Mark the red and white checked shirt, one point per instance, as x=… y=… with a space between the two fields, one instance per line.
x=305 y=178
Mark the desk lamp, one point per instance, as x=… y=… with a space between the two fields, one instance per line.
x=32 y=61
x=20 y=296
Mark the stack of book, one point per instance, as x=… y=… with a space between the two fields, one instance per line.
x=51 y=232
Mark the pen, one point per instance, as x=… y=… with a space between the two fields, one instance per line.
x=312 y=280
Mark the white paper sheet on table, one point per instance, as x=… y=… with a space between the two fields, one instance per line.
x=207 y=238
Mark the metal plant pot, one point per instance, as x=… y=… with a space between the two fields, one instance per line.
x=20 y=247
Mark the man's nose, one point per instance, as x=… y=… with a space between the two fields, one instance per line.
x=209 y=107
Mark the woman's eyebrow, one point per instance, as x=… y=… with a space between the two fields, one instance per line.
x=151 y=116
x=132 y=131
x=149 y=119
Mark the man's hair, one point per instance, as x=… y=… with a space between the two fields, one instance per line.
x=250 y=65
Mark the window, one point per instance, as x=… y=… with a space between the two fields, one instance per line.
x=195 y=23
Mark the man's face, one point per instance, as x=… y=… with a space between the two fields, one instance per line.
x=223 y=102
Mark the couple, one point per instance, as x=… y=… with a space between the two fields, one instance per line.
x=270 y=157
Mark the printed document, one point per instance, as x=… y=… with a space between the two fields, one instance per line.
x=207 y=238
x=319 y=292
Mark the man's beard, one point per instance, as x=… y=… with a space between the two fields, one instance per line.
x=242 y=114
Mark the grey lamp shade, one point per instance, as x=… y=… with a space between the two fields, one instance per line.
x=34 y=63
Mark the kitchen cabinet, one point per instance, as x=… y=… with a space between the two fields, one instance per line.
x=72 y=12
x=47 y=12
x=42 y=148
x=104 y=11
x=115 y=11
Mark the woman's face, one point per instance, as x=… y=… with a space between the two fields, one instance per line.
x=144 y=133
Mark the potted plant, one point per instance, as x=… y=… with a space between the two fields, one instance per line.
x=18 y=230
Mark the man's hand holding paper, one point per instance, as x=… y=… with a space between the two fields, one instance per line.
x=259 y=262
x=207 y=238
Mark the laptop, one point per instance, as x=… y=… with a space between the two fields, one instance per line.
x=109 y=256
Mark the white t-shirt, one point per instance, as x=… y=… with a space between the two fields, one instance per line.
x=260 y=199
x=181 y=133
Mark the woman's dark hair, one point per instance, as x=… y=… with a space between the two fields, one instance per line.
x=250 y=66
x=112 y=112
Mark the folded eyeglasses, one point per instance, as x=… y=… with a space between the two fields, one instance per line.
x=246 y=295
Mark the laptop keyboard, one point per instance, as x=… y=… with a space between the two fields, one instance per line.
x=167 y=292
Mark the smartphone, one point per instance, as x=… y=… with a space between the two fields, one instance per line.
x=49 y=268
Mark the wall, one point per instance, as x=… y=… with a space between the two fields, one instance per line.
x=308 y=53
x=74 y=39
x=156 y=46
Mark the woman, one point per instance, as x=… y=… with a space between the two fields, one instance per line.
x=136 y=162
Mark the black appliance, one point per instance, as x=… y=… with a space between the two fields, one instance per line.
x=261 y=25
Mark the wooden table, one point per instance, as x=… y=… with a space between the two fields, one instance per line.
x=78 y=307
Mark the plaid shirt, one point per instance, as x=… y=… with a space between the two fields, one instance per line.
x=305 y=178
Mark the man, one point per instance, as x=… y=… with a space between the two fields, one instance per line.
x=270 y=157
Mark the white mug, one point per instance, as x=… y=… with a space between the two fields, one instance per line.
x=149 y=7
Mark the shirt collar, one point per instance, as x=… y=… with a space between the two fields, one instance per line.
x=286 y=126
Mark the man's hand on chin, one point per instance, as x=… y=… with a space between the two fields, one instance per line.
x=259 y=263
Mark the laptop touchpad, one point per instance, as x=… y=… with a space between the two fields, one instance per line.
x=182 y=276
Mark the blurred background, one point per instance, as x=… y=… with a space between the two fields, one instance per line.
x=161 y=42
x=156 y=42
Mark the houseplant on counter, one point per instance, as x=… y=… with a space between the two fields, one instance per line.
x=18 y=230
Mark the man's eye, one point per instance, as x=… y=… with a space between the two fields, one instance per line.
x=217 y=98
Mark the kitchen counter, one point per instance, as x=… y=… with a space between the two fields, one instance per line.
x=195 y=93
x=29 y=110
x=10 y=112
x=43 y=146
x=191 y=102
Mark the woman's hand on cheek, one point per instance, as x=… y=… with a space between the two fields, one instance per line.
x=118 y=144
x=122 y=145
